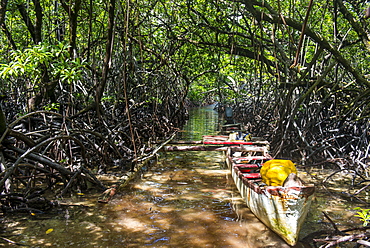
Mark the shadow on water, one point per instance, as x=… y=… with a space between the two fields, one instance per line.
x=187 y=199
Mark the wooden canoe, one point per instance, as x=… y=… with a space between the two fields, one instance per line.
x=220 y=143
x=224 y=140
x=282 y=209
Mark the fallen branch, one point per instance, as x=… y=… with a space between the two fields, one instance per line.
x=155 y=151
x=362 y=189
x=363 y=242
x=108 y=194
x=12 y=242
x=344 y=239
x=332 y=223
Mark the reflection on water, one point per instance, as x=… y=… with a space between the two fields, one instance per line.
x=187 y=199
x=203 y=121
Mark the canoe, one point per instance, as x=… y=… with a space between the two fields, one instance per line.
x=224 y=140
x=282 y=209
x=220 y=143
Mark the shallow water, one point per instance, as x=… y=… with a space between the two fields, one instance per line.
x=187 y=199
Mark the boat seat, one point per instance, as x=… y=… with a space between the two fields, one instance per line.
x=252 y=175
x=253 y=159
x=247 y=168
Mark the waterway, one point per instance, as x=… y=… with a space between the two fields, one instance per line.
x=186 y=199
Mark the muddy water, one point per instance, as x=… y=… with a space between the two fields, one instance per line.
x=187 y=199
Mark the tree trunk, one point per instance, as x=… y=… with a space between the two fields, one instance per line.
x=3 y=5
x=2 y=121
x=72 y=12
x=108 y=53
x=47 y=90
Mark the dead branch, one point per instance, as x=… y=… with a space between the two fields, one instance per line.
x=155 y=151
x=108 y=194
x=332 y=223
x=363 y=242
x=362 y=189
x=344 y=239
x=12 y=242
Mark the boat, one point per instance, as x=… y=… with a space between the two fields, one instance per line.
x=282 y=209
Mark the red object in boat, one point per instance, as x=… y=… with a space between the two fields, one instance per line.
x=246 y=168
x=252 y=175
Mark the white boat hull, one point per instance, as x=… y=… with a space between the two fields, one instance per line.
x=282 y=209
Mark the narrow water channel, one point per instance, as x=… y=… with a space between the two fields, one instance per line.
x=187 y=199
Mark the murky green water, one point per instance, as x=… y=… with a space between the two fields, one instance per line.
x=203 y=121
x=187 y=199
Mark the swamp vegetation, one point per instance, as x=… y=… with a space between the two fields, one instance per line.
x=90 y=88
